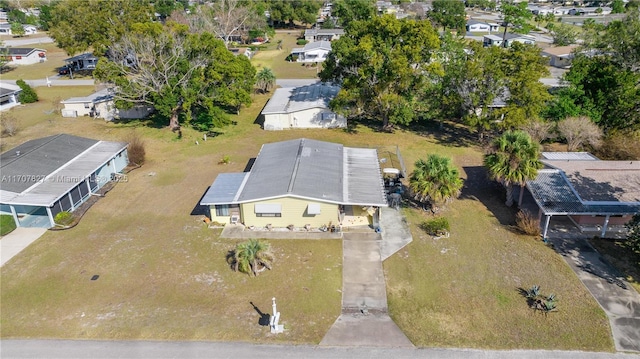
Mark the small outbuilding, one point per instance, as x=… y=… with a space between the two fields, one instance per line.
x=302 y=107
x=46 y=176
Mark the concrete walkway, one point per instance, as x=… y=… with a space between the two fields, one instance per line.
x=14 y=242
x=364 y=320
x=395 y=232
x=617 y=298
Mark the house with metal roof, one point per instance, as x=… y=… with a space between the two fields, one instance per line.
x=46 y=176
x=101 y=104
x=9 y=96
x=302 y=107
x=312 y=35
x=591 y=192
x=304 y=183
x=312 y=52
x=481 y=26
x=23 y=55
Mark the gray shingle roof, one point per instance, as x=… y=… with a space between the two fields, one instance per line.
x=310 y=169
x=19 y=51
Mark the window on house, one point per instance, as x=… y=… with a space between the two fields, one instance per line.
x=222 y=210
x=86 y=105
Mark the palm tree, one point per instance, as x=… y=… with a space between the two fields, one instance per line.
x=265 y=80
x=251 y=257
x=435 y=180
x=513 y=158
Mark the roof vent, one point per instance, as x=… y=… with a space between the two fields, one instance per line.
x=17 y=153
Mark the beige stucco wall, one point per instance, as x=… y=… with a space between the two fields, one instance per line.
x=294 y=211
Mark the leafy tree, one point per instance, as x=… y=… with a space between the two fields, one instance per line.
x=265 y=80
x=352 y=10
x=564 y=35
x=381 y=65
x=27 y=95
x=523 y=68
x=95 y=24
x=609 y=92
x=578 y=131
x=516 y=16
x=250 y=257
x=617 y=7
x=435 y=180
x=44 y=19
x=191 y=78
x=290 y=11
x=165 y=7
x=4 y=57
x=449 y=14
x=633 y=233
x=17 y=29
x=513 y=159
x=569 y=102
x=16 y=15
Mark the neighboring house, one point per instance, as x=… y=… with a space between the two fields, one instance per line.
x=560 y=56
x=304 y=183
x=302 y=107
x=46 y=176
x=312 y=52
x=478 y=26
x=496 y=40
x=101 y=105
x=86 y=61
x=5 y=29
x=9 y=96
x=312 y=35
x=590 y=11
x=242 y=51
x=30 y=29
x=23 y=55
x=594 y=194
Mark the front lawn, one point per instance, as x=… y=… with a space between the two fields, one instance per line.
x=7 y=224
x=162 y=273
x=275 y=59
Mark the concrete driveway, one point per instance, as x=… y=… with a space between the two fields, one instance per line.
x=14 y=242
x=617 y=298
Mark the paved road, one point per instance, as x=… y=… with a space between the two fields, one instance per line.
x=27 y=41
x=69 y=349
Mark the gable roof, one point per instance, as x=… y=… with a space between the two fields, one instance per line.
x=307 y=169
x=85 y=56
x=314 y=32
x=43 y=170
x=96 y=97
x=20 y=51
x=476 y=22
x=560 y=51
x=293 y=99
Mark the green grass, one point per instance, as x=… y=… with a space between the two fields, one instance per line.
x=163 y=273
x=275 y=59
x=7 y=224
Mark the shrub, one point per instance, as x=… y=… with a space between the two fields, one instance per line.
x=633 y=233
x=9 y=125
x=27 y=95
x=302 y=42
x=7 y=224
x=436 y=226
x=136 y=149
x=579 y=131
x=620 y=145
x=528 y=223
x=63 y=218
x=225 y=160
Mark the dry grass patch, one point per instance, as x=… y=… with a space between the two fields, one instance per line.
x=275 y=59
x=462 y=291
x=49 y=68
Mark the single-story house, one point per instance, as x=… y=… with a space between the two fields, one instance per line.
x=560 y=56
x=86 y=61
x=594 y=194
x=242 y=51
x=496 y=40
x=101 y=104
x=5 y=28
x=302 y=107
x=9 y=96
x=312 y=52
x=46 y=176
x=304 y=183
x=23 y=55
x=481 y=26
x=312 y=35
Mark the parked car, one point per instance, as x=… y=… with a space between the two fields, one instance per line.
x=64 y=70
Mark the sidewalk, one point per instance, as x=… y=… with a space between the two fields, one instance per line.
x=14 y=242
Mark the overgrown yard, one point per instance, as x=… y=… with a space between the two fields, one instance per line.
x=162 y=273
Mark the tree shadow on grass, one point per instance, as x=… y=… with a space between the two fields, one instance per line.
x=447 y=133
x=480 y=188
x=264 y=319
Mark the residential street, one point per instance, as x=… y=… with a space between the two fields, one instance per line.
x=90 y=349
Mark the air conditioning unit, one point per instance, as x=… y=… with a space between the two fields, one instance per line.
x=235 y=219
